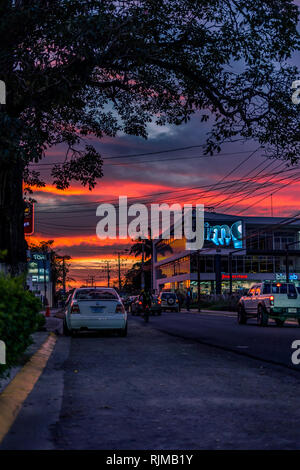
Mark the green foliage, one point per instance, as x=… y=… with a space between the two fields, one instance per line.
x=98 y=67
x=229 y=304
x=139 y=245
x=133 y=277
x=19 y=318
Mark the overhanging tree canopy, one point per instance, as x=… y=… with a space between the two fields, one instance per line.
x=76 y=68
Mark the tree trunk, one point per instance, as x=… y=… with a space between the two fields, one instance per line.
x=12 y=239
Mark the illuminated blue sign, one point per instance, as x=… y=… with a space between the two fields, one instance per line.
x=282 y=276
x=224 y=235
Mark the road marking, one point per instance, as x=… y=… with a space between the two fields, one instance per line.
x=16 y=392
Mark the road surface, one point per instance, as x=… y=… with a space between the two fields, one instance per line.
x=271 y=343
x=163 y=388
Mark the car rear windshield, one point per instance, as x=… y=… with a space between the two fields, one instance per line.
x=95 y=294
x=279 y=289
x=168 y=296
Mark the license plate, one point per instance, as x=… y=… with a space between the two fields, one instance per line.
x=292 y=310
x=97 y=309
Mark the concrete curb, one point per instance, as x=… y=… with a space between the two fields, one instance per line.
x=16 y=392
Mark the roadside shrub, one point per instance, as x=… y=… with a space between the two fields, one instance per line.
x=229 y=304
x=19 y=318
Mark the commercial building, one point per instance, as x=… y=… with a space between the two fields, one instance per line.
x=237 y=250
x=39 y=276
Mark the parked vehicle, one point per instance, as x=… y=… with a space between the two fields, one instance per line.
x=95 y=308
x=169 y=301
x=155 y=308
x=128 y=301
x=136 y=307
x=270 y=299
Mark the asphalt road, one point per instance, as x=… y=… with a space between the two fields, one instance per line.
x=271 y=344
x=161 y=388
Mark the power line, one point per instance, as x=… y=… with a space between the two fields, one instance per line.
x=185 y=157
x=253 y=191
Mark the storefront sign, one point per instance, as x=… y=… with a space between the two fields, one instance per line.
x=224 y=235
x=282 y=276
x=39 y=267
x=235 y=276
x=29 y=218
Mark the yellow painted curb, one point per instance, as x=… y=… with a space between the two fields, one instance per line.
x=16 y=392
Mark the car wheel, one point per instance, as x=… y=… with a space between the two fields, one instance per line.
x=66 y=330
x=241 y=317
x=123 y=333
x=279 y=322
x=262 y=316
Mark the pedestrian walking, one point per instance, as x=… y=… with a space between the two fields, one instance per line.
x=188 y=299
x=147 y=301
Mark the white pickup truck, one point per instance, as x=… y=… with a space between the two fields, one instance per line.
x=270 y=299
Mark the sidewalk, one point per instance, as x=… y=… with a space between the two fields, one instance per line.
x=54 y=322
x=38 y=339
x=53 y=325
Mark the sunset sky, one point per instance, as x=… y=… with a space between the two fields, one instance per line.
x=240 y=180
x=69 y=217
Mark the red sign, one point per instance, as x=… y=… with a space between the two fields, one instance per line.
x=235 y=276
x=29 y=218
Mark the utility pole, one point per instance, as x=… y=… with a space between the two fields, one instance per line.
x=287 y=274
x=45 y=282
x=287 y=268
x=108 y=273
x=218 y=271
x=151 y=259
x=119 y=273
x=64 y=275
x=64 y=270
x=119 y=253
x=142 y=272
x=271 y=205
x=230 y=272
x=198 y=280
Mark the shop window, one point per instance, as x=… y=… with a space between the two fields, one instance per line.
x=255 y=265
x=224 y=264
x=248 y=266
x=209 y=264
x=240 y=264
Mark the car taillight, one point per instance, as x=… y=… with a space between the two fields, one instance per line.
x=159 y=301
x=140 y=303
x=75 y=308
x=120 y=309
x=177 y=301
x=272 y=299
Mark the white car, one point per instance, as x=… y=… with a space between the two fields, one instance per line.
x=270 y=299
x=95 y=308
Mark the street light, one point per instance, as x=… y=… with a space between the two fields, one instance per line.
x=119 y=253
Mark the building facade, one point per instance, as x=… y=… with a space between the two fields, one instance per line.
x=244 y=250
